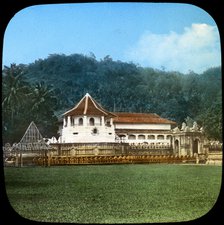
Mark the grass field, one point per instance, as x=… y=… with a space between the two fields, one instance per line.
x=139 y=193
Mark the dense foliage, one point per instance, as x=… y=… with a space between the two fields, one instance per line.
x=46 y=88
x=23 y=103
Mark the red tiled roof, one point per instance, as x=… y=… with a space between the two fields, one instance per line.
x=140 y=118
x=88 y=106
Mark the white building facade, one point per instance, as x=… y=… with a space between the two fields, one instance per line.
x=88 y=122
x=143 y=128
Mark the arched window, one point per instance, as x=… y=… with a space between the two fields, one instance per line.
x=80 y=121
x=160 y=137
x=168 y=137
x=131 y=137
x=72 y=121
x=122 y=137
x=91 y=122
x=151 y=137
x=141 y=137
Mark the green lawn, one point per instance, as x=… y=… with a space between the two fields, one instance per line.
x=139 y=193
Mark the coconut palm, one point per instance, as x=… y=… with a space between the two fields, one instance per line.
x=43 y=105
x=15 y=90
x=42 y=97
x=15 y=93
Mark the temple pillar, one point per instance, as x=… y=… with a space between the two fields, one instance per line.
x=69 y=121
x=111 y=121
x=102 y=121
x=85 y=121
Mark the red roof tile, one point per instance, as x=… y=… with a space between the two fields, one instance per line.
x=88 y=106
x=140 y=118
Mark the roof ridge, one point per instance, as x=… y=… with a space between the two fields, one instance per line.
x=76 y=106
x=86 y=103
x=93 y=101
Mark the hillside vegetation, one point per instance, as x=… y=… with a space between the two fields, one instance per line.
x=43 y=90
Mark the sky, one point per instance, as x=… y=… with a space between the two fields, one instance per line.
x=168 y=36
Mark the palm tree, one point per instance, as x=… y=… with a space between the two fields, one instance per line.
x=42 y=97
x=15 y=90
x=43 y=105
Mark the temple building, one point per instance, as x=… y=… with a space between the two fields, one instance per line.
x=90 y=134
x=89 y=122
x=147 y=128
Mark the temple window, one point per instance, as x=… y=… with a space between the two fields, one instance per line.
x=141 y=137
x=152 y=137
x=160 y=137
x=91 y=122
x=131 y=137
x=80 y=121
x=122 y=137
x=72 y=121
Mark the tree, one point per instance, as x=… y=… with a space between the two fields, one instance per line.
x=212 y=120
x=116 y=85
x=23 y=103
x=43 y=104
x=15 y=91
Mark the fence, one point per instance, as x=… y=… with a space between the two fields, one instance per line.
x=215 y=147
x=71 y=160
x=109 y=149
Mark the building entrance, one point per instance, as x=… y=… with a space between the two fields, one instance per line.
x=195 y=146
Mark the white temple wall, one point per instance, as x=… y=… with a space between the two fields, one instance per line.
x=89 y=133
x=85 y=121
x=99 y=132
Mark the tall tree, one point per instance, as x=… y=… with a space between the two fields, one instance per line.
x=15 y=90
x=43 y=104
x=23 y=103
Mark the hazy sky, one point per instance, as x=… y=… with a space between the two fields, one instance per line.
x=173 y=36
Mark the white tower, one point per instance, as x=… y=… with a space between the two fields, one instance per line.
x=88 y=122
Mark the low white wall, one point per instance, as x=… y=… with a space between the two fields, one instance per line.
x=79 y=134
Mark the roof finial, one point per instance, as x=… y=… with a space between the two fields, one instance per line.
x=87 y=94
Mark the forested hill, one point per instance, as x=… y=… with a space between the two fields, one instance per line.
x=121 y=86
